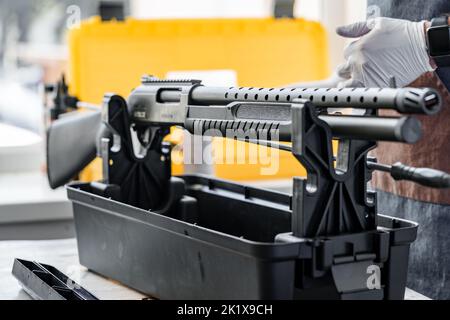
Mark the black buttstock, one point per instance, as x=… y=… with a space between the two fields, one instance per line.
x=71 y=146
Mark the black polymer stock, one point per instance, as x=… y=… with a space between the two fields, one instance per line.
x=299 y=246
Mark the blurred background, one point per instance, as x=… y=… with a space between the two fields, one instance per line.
x=34 y=50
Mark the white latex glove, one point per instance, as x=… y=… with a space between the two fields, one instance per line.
x=387 y=48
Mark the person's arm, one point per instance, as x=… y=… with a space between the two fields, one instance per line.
x=387 y=49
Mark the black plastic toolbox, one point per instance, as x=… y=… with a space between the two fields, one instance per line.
x=237 y=246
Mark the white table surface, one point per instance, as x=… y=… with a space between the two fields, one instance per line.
x=26 y=197
x=63 y=255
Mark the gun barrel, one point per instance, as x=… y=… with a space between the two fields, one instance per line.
x=405 y=100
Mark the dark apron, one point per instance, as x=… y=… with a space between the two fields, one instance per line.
x=429 y=270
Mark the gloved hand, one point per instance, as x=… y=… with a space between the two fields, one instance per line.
x=387 y=48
